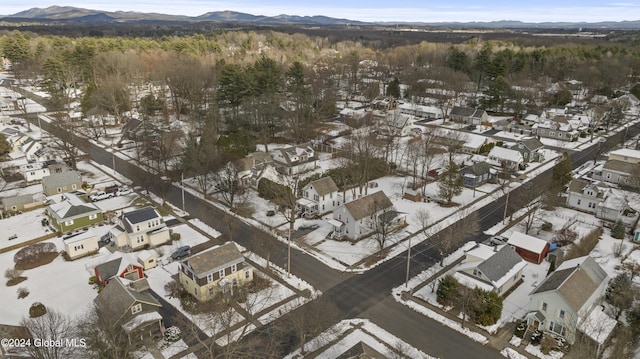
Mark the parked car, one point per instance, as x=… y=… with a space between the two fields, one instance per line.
x=498 y=240
x=123 y=190
x=99 y=196
x=111 y=189
x=181 y=252
x=312 y=227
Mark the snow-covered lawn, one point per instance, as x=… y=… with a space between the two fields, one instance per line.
x=25 y=227
x=361 y=331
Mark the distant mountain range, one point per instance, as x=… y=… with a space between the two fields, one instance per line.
x=74 y=14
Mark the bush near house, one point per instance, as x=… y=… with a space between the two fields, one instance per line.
x=270 y=190
x=487 y=307
x=448 y=290
x=618 y=230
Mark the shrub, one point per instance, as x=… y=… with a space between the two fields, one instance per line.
x=23 y=292
x=618 y=230
x=175 y=236
x=172 y=334
x=585 y=246
x=270 y=190
x=565 y=236
x=547 y=343
x=35 y=255
x=536 y=337
x=93 y=280
x=448 y=290
x=488 y=308
x=12 y=274
x=547 y=226
x=37 y=309
x=521 y=328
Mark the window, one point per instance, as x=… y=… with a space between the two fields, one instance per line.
x=544 y=307
x=209 y=277
x=561 y=314
x=139 y=239
x=211 y=291
x=93 y=216
x=579 y=202
x=221 y=273
x=234 y=268
x=77 y=248
x=59 y=190
x=136 y=308
x=246 y=275
x=316 y=197
x=137 y=228
x=476 y=272
x=74 y=186
x=69 y=222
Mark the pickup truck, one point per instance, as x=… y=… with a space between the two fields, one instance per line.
x=99 y=196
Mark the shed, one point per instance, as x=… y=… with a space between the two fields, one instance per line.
x=530 y=248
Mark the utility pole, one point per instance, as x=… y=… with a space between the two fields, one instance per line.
x=182 y=186
x=113 y=160
x=406 y=280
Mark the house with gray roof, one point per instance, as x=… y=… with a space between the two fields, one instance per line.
x=320 y=196
x=61 y=182
x=129 y=307
x=359 y=217
x=118 y=265
x=617 y=172
x=19 y=203
x=215 y=270
x=468 y=115
x=491 y=268
x=72 y=213
x=566 y=297
x=139 y=228
x=477 y=174
x=530 y=148
x=610 y=204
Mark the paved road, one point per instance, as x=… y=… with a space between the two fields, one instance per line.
x=354 y=295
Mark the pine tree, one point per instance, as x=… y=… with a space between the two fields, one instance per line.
x=450 y=184
x=618 y=230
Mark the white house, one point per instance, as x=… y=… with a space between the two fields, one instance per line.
x=320 y=196
x=625 y=155
x=491 y=268
x=81 y=244
x=294 y=160
x=357 y=218
x=34 y=171
x=506 y=158
x=605 y=203
x=141 y=227
x=566 y=297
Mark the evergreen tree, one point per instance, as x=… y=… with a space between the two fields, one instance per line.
x=447 y=291
x=393 y=89
x=562 y=170
x=450 y=184
x=618 y=230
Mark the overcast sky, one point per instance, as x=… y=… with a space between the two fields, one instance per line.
x=372 y=10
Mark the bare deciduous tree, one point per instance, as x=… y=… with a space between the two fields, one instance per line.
x=55 y=326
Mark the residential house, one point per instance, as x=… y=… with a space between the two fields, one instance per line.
x=605 y=203
x=357 y=218
x=131 y=308
x=30 y=147
x=530 y=248
x=61 y=182
x=139 y=228
x=532 y=117
x=625 y=155
x=214 y=270
x=617 y=172
x=477 y=174
x=320 y=196
x=33 y=172
x=21 y=203
x=558 y=128
x=80 y=244
x=473 y=143
x=72 y=213
x=294 y=160
x=506 y=158
x=118 y=265
x=420 y=111
x=491 y=268
x=566 y=297
x=530 y=148
x=468 y=115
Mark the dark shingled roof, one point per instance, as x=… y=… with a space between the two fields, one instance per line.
x=496 y=266
x=109 y=269
x=141 y=215
x=479 y=168
x=212 y=259
x=577 y=185
x=116 y=299
x=368 y=205
x=462 y=111
x=621 y=166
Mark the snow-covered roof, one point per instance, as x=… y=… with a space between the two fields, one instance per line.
x=482 y=251
x=80 y=237
x=141 y=319
x=626 y=152
x=506 y=154
x=145 y=254
x=527 y=242
x=598 y=325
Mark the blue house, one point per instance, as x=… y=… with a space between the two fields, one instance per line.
x=477 y=174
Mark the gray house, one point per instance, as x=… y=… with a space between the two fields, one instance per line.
x=468 y=115
x=61 y=182
x=490 y=268
x=617 y=172
x=477 y=174
x=530 y=148
x=566 y=297
x=131 y=308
